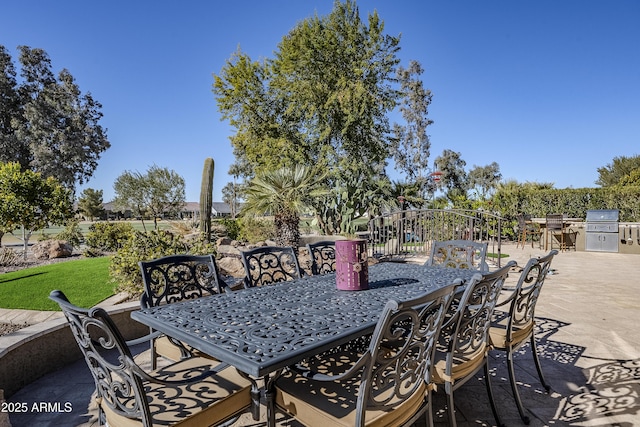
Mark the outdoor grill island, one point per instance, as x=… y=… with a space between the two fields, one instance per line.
x=601 y=230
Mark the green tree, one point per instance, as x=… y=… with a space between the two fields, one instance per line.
x=48 y=125
x=230 y=196
x=90 y=203
x=131 y=194
x=11 y=113
x=158 y=192
x=631 y=179
x=30 y=202
x=284 y=193
x=410 y=146
x=454 y=177
x=614 y=172
x=322 y=100
x=484 y=180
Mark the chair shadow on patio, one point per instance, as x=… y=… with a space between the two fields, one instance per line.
x=578 y=395
x=604 y=393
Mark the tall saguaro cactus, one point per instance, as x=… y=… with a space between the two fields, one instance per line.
x=206 y=198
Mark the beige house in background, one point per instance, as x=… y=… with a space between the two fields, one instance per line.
x=191 y=210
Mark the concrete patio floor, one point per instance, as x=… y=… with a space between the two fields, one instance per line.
x=587 y=337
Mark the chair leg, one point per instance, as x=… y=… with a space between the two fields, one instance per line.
x=152 y=352
x=546 y=240
x=452 y=410
x=536 y=359
x=429 y=411
x=487 y=381
x=514 y=387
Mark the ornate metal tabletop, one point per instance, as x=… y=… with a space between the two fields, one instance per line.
x=263 y=329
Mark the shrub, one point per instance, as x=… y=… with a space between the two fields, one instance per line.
x=108 y=236
x=8 y=257
x=71 y=233
x=230 y=226
x=255 y=230
x=141 y=246
x=201 y=246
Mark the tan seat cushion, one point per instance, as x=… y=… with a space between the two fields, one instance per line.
x=166 y=348
x=498 y=335
x=322 y=403
x=459 y=369
x=203 y=403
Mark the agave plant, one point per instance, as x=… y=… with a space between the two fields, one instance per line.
x=286 y=194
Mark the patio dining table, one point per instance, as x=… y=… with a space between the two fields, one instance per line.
x=262 y=330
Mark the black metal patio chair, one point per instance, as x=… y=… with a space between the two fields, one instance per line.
x=194 y=391
x=270 y=264
x=323 y=256
x=387 y=385
x=459 y=254
x=514 y=327
x=464 y=345
x=172 y=279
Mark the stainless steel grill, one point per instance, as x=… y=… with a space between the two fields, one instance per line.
x=601 y=230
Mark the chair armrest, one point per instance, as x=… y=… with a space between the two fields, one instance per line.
x=148 y=337
x=158 y=380
x=316 y=376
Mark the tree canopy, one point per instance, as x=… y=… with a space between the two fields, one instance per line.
x=46 y=124
x=31 y=202
x=160 y=191
x=285 y=193
x=411 y=145
x=619 y=171
x=90 y=203
x=454 y=177
x=322 y=100
x=484 y=179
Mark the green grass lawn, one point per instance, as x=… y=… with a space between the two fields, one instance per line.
x=494 y=255
x=86 y=282
x=51 y=231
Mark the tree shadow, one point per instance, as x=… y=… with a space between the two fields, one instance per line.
x=21 y=277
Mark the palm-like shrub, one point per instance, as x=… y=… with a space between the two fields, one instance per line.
x=285 y=194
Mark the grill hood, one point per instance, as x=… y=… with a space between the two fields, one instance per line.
x=599 y=215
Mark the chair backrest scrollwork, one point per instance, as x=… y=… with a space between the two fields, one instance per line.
x=468 y=334
x=526 y=293
x=402 y=350
x=459 y=254
x=108 y=358
x=269 y=264
x=175 y=278
x=323 y=257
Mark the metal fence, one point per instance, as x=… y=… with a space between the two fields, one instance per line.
x=411 y=232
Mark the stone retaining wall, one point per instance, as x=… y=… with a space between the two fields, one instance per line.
x=40 y=349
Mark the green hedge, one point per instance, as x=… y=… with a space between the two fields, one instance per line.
x=572 y=202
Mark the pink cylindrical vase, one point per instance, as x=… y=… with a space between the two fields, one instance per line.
x=352 y=268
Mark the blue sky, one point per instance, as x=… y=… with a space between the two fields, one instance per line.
x=548 y=89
